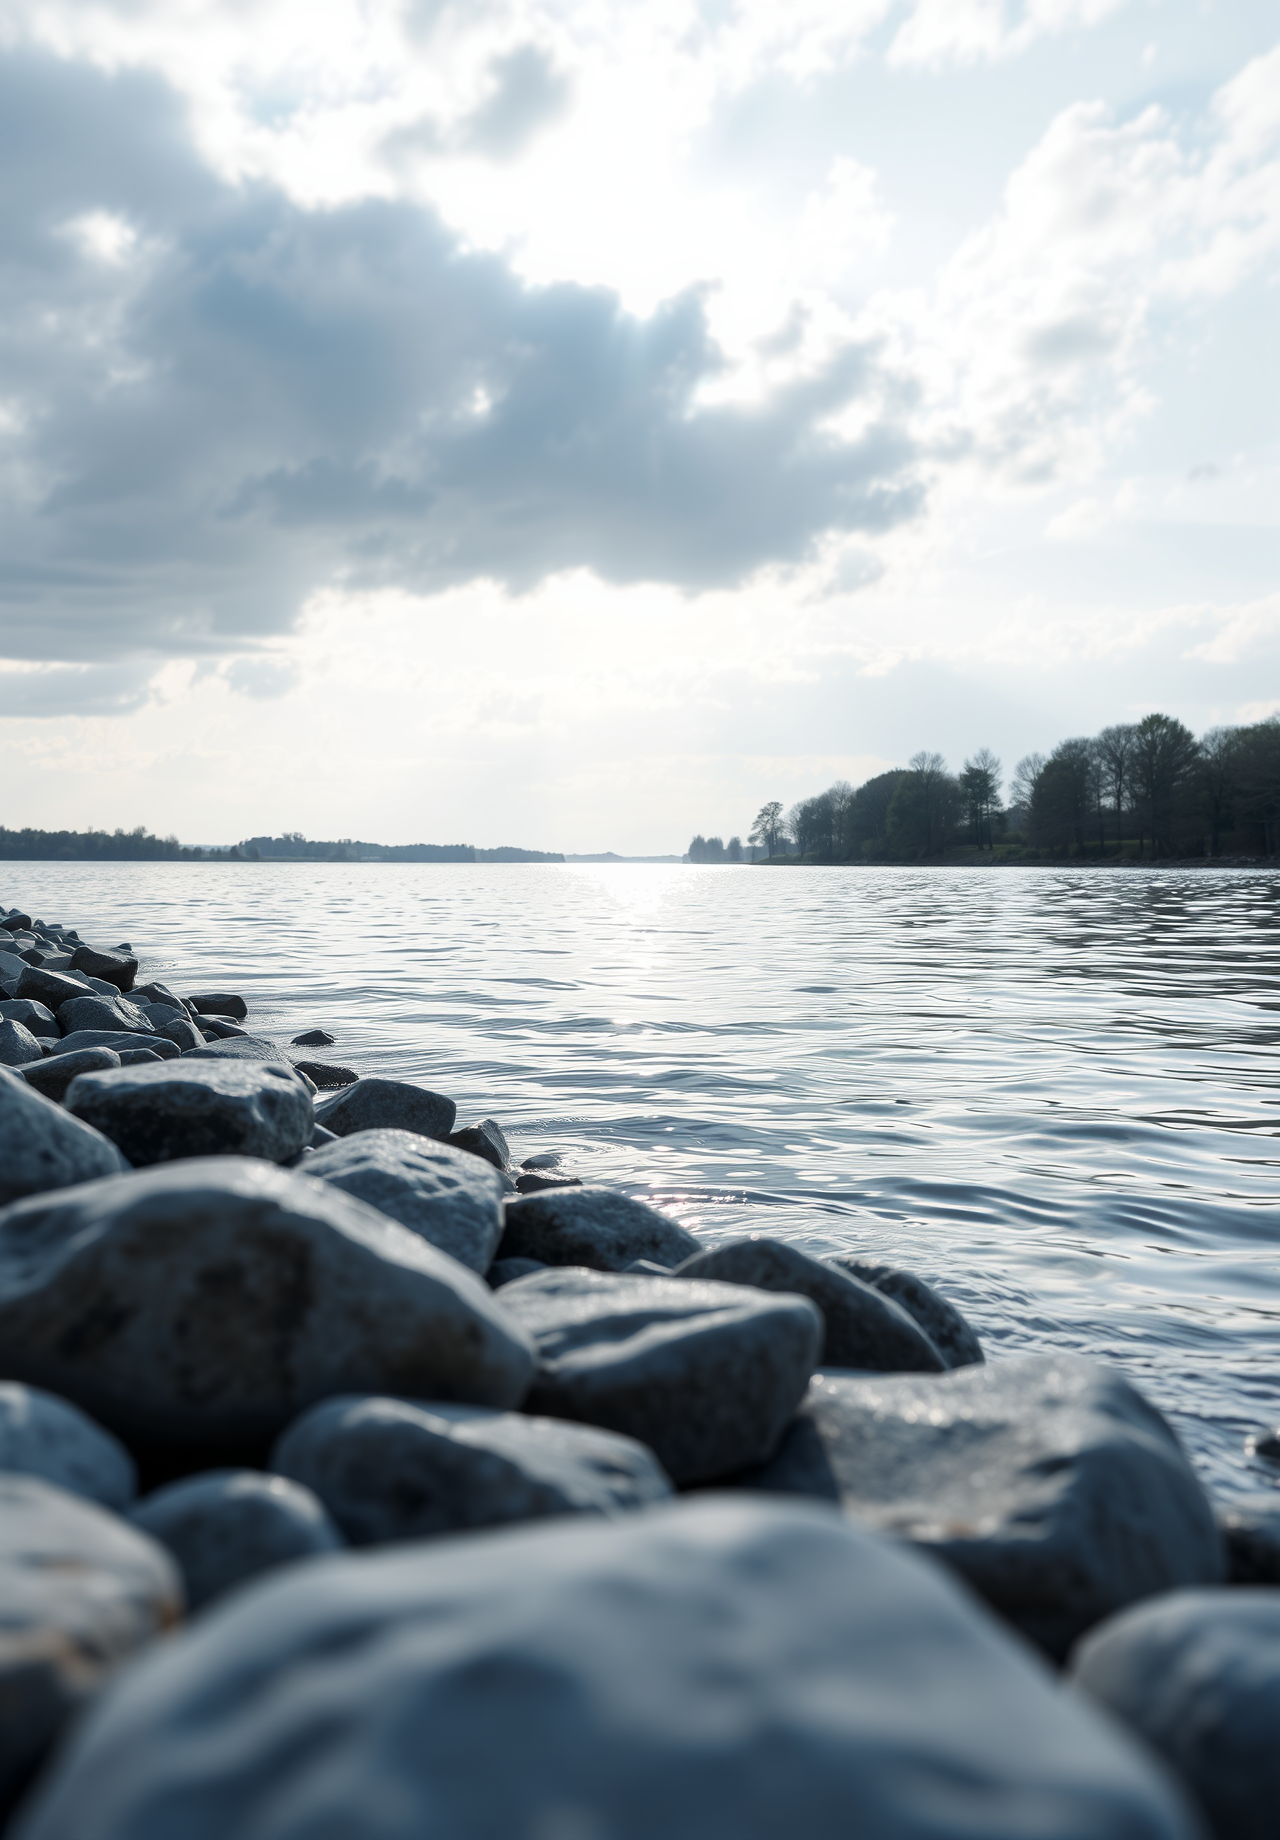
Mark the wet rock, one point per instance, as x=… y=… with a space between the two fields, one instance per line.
x=862 y=1328
x=53 y=1076
x=1264 y=1444
x=227 y=1525
x=42 y=1435
x=706 y=1375
x=390 y=1105
x=218 y=1029
x=36 y=1017
x=598 y=1227
x=218 y=1003
x=1197 y=1675
x=403 y=1469
x=312 y=1038
x=85 y=1012
x=195 y=1108
x=182 y=1032
x=158 y=993
x=320 y=1137
x=119 y=1043
x=42 y=1148
x=79 y=1591
x=140 y=1057
x=445 y=1196
x=324 y=1075
x=18 y=1046
x=545 y=1159
x=728 y=1669
x=52 y=988
x=202 y=1305
x=1250 y=1529
x=506 y=1271
x=12 y=971
x=1048 y=1482
x=946 y=1328
x=531 y=1183
x=241 y=1047
x=118 y=968
x=484 y=1139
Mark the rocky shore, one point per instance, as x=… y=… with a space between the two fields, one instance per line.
x=358 y=1480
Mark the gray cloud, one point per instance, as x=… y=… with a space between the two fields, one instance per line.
x=74 y=690
x=529 y=93
x=251 y=399
x=263 y=678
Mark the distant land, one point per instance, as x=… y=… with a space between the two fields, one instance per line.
x=139 y=845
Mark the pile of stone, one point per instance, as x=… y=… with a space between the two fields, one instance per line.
x=428 y=1495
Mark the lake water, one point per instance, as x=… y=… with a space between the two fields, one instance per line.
x=1056 y=1094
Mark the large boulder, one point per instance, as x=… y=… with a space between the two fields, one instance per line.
x=118 y=968
x=598 y=1227
x=52 y=988
x=227 y=1525
x=1048 y=1482
x=79 y=1591
x=86 y=1012
x=953 y=1337
x=209 y=1108
x=42 y=1435
x=707 y=1375
x=42 y=1148
x=862 y=1328
x=401 y=1469
x=387 y=1105
x=18 y=1046
x=447 y=1197
x=1197 y=1675
x=712 y=1670
x=203 y=1304
x=218 y=1003
x=52 y=1076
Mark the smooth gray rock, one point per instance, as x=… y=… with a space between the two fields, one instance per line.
x=79 y=1591
x=485 y=1139
x=118 y=968
x=531 y=1183
x=117 y=1042
x=506 y=1271
x=1197 y=1675
x=12 y=969
x=312 y=1038
x=320 y=1137
x=403 y=1469
x=324 y=1075
x=204 y=1304
x=1250 y=1529
x=218 y=1003
x=862 y=1328
x=227 y=1525
x=598 y=1227
x=213 y=1108
x=101 y=1013
x=1264 y=1444
x=706 y=1375
x=139 y=1057
x=217 y=1028
x=18 y=1046
x=946 y=1328
x=727 y=1669
x=390 y=1105
x=38 y=1018
x=42 y=1435
x=42 y=1148
x=158 y=993
x=445 y=1196
x=1048 y=1482
x=53 y=1076
x=182 y=1031
x=52 y=988
x=241 y=1047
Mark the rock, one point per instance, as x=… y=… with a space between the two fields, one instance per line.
x=36 y=1017
x=1264 y=1444
x=726 y=1669
x=598 y=1227
x=946 y=1328
x=445 y=1196
x=1250 y=1530
x=52 y=988
x=79 y=1591
x=42 y=1435
x=506 y=1271
x=393 y=1105
x=158 y=993
x=42 y=1148
x=1048 y=1482
x=322 y=1074
x=195 y=1108
x=119 y=1043
x=862 y=1328
x=227 y=1525
x=531 y=1183
x=320 y=1137
x=183 y=1033
x=484 y=1139
x=18 y=1046
x=118 y=968
x=403 y=1469
x=312 y=1038
x=216 y=1028
x=707 y=1375
x=139 y=1057
x=545 y=1159
x=241 y=1047
x=1197 y=1675
x=218 y=1003
x=53 y=1076
x=202 y=1305
x=12 y=970
x=85 y=1012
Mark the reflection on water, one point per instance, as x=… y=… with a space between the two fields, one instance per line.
x=1056 y=1093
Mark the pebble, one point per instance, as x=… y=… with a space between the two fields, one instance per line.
x=598 y=1227
x=42 y=1435
x=225 y=1526
x=390 y=1105
x=706 y=1375
x=402 y=1469
x=448 y=1198
x=195 y=1108
x=42 y=1148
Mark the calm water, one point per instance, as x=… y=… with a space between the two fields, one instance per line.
x=1057 y=1095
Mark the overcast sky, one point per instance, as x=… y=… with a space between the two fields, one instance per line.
x=572 y=423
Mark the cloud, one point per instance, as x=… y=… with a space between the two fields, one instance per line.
x=263 y=678
x=72 y=690
x=529 y=93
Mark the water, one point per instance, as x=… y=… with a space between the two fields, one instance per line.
x=1054 y=1093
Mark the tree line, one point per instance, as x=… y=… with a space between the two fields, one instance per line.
x=1143 y=790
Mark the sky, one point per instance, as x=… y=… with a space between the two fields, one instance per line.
x=572 y=424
